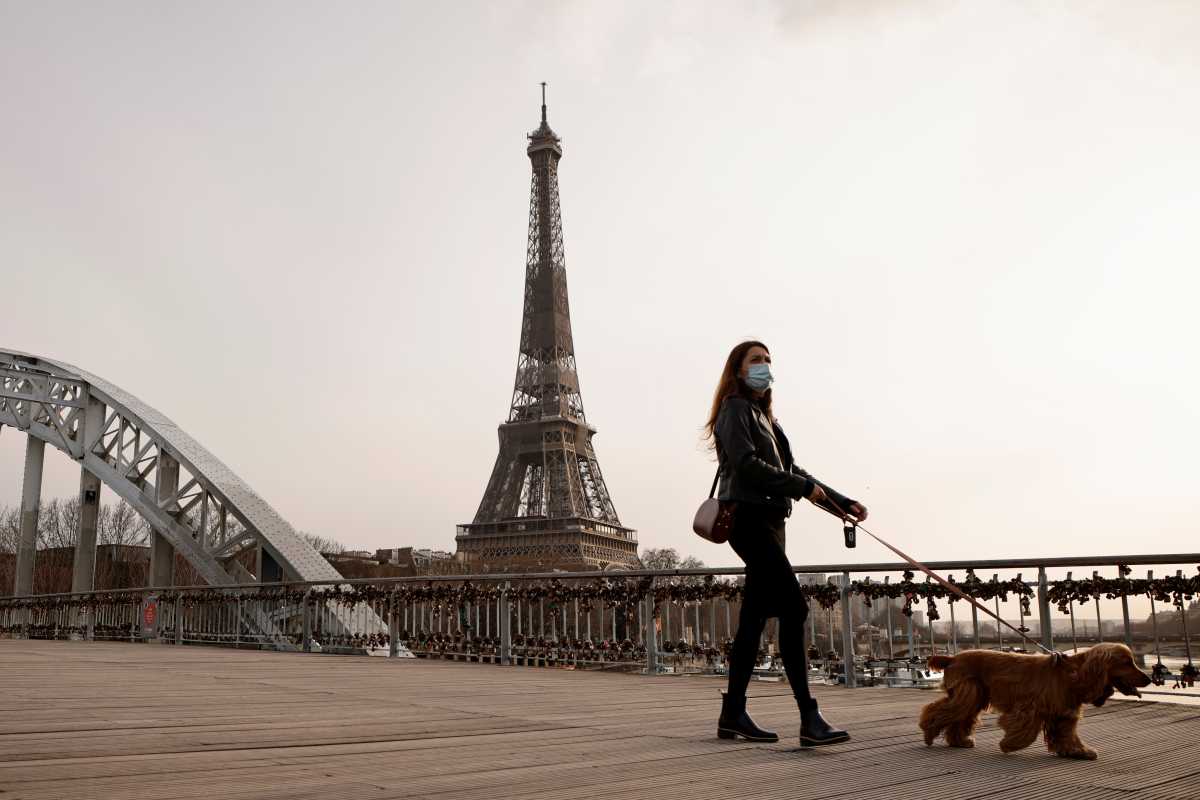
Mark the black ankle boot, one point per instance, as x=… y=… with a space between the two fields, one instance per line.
x=736 y=722
x=814 y=730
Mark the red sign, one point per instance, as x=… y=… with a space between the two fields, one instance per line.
x=149 y=614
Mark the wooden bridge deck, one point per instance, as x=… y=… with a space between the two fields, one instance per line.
x=99 y=720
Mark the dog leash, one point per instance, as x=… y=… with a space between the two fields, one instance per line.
x=947 y=584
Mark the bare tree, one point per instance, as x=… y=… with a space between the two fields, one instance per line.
x=233 y=528
x=668 y=558
x=660 y=558
x=10 y=528
x=323 y=545
x=58 y=523
x=121 y=525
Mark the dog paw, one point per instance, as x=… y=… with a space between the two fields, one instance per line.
x=1086 y=754
x=962 y=743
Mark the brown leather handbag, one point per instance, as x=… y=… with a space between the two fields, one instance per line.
x=714 y=518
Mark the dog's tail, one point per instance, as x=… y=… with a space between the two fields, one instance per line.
x=940 y=662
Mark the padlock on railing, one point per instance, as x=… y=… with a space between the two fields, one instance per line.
x=1158 y=674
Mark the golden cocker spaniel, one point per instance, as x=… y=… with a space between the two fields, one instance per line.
x=1033 y=693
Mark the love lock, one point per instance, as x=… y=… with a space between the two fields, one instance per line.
x=1158 y=675
x=1188 y=675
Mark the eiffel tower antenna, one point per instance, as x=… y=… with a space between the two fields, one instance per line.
x=546 y=504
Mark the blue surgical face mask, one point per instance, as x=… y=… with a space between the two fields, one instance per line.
x=759 y=377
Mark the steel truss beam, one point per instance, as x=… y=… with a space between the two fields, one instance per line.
x=209 y=518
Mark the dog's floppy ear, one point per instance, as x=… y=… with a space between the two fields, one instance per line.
x=1091 y=675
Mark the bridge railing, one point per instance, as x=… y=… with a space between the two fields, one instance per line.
x=868 y=623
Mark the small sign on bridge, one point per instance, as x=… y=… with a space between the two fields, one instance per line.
x=150 y=617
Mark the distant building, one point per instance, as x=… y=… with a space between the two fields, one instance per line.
x=418 y=559
x=859 y=611
x=348 y=555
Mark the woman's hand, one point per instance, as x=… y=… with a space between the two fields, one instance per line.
x=858 y=511
x=817 y=495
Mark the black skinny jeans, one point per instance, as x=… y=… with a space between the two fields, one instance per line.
x=771 y=590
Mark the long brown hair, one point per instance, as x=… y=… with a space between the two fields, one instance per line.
x=731 y=384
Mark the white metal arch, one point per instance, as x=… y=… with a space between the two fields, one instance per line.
x=123 y=440
x=187 y=494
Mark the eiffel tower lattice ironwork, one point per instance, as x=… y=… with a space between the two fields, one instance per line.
x=546 y=505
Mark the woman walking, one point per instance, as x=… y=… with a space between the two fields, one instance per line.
x=760 y=475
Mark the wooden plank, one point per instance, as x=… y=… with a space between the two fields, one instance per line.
x=117 y=720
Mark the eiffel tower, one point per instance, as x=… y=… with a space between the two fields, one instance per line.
x=546 y=505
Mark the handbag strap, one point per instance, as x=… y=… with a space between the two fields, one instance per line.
x=716 y=479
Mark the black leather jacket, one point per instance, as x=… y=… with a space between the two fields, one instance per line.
x=757 y=467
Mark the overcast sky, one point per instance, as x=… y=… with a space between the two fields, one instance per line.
x=967 y=231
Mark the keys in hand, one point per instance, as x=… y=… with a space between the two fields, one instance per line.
x=819 y=497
